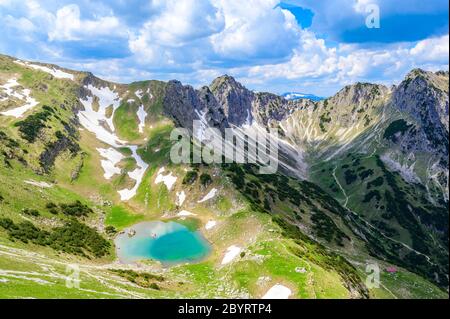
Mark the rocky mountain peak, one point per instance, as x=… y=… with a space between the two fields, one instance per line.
x=235 y=99
x=184 y=104
x=424 y=96
x=360 y=93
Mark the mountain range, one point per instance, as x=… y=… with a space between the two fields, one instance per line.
x=363 y=182
x=298 y=96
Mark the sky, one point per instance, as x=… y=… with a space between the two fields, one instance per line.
x=304 y=46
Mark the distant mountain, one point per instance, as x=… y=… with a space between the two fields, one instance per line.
x=292 y=96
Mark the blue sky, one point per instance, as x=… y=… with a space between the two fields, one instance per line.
x=294 y=45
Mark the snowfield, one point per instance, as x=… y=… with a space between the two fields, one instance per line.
x=278 y=292
x=185 y=213
x=24 y=96
x=210 y=224
x=38 y=184
x=212 y=193
x=137 y=175
x=55 y=72
x=141 y=114
x=94 y=122
x=168 y=180
x=231 y=253
x=112 y=158
x=181 y=197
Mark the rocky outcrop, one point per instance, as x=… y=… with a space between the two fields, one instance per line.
x=184 y=104
x=424 y=96
x=234 y=98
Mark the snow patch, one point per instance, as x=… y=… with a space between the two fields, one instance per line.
x=112 y=158
x=141 y=114
x=53 y=71
x=210 y=224
x=24 y=96
x=231 y=253
x=169 y=180
x=278 y=292
x=212 y=193
x=38 y=184
x=185 y=213
x=181 y=197
x=137 y=175
x=106 y=97
x=92 y=120
x=139 y=94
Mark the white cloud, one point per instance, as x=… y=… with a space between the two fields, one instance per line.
x=68 y=25
x=181 y=21
x=255 y=29
x=432 y=50
x=347 y=64
x=202 y=32
x=197 y=40
x=22 y=24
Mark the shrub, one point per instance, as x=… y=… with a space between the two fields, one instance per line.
x=399 y=126
x=110 y=230
x=350 y=177
x=205 y=180
x=31 y=126
x=76 y=209
x=73 y=238
x=190 y=177
x=31 y=212
x=145 y=280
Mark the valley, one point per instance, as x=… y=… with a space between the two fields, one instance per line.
x=363 y=180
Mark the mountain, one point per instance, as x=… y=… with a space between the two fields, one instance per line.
x=298 y=96
x=363 y=180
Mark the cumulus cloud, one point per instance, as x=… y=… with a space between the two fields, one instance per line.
x=181 y=21
x=432 y=50
x=257 y=41
x=68 y=25
x=255 y=29
x=347 y=64
x=216 y=32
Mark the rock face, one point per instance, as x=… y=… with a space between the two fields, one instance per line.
x=424 y=96
x=226 y=102
x=184 y=104
x=395 y=122
x=269 y=108
x=234 y=98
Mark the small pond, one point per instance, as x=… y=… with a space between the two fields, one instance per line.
x=169 y=243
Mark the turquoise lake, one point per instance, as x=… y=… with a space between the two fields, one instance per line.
x=169 y=243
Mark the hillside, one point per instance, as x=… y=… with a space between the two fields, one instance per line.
x=363 y=180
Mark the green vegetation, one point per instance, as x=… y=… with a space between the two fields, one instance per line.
x=190 y=178
x=144 y=280
x=350 y=177
x=205 y=180
x=120 y=218
x=126 y=121
x=31 y=212
x=32 y=125
x=325 y=228
x=317 y=253
x=73 y=238
x=399 y=126
x=76 y=209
